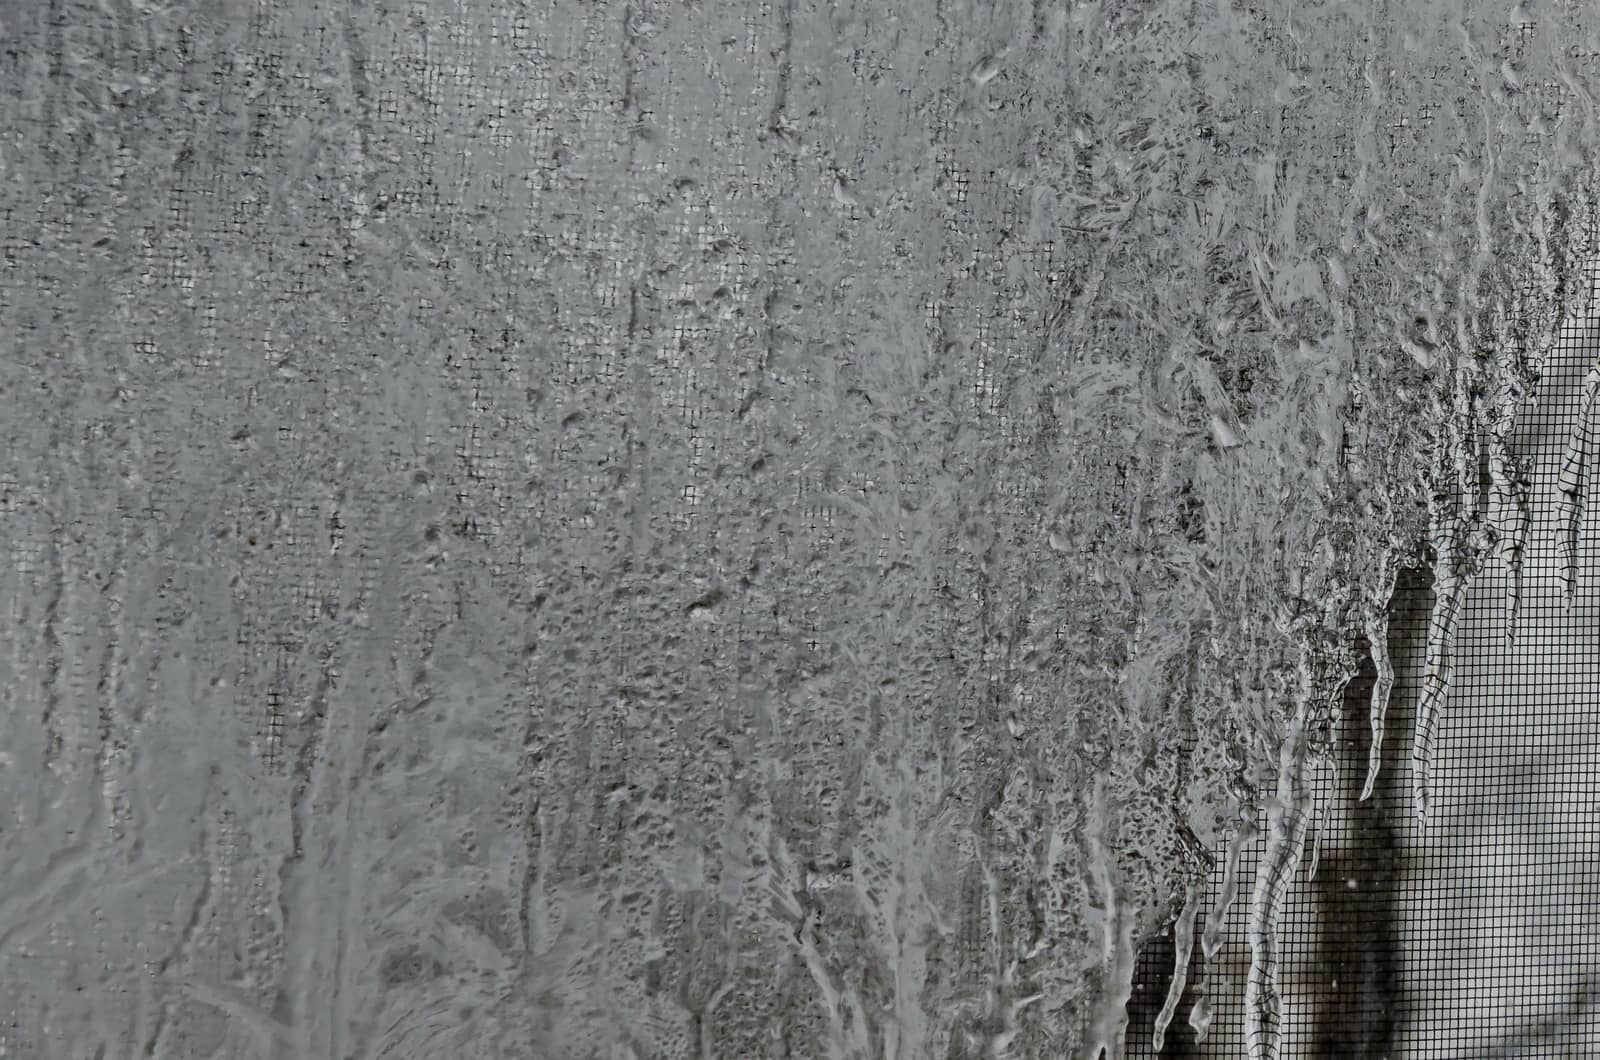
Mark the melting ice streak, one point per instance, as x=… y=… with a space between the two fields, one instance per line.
x=1376 y=627
x=1287 y=822
x=1183 y=945
x=1572 y=486
x=1449 y=589
x=1509 y=514
x=1201 y=1014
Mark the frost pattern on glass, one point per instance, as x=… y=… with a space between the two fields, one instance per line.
x=577 y=529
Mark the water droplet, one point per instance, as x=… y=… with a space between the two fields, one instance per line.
x=985 y=70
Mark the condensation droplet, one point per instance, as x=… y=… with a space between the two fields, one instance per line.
x=985 y=70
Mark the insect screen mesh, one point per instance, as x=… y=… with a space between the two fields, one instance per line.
x=1472 y=936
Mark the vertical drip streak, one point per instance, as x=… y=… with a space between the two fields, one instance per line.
x=1376 y=627
x=1211 y=938
x=1183 y=946
x=1573 y=485
x=1451 y=575
x=1288 y=820
x=1108 y=1035
x=1510 y=514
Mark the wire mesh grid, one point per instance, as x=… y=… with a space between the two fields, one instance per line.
x=1477 y=934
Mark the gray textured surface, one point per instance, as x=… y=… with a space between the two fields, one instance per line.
x=634 y=530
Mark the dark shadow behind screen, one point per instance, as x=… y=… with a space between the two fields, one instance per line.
x=1475 y=935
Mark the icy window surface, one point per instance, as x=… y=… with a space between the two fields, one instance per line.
x=758 y=529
